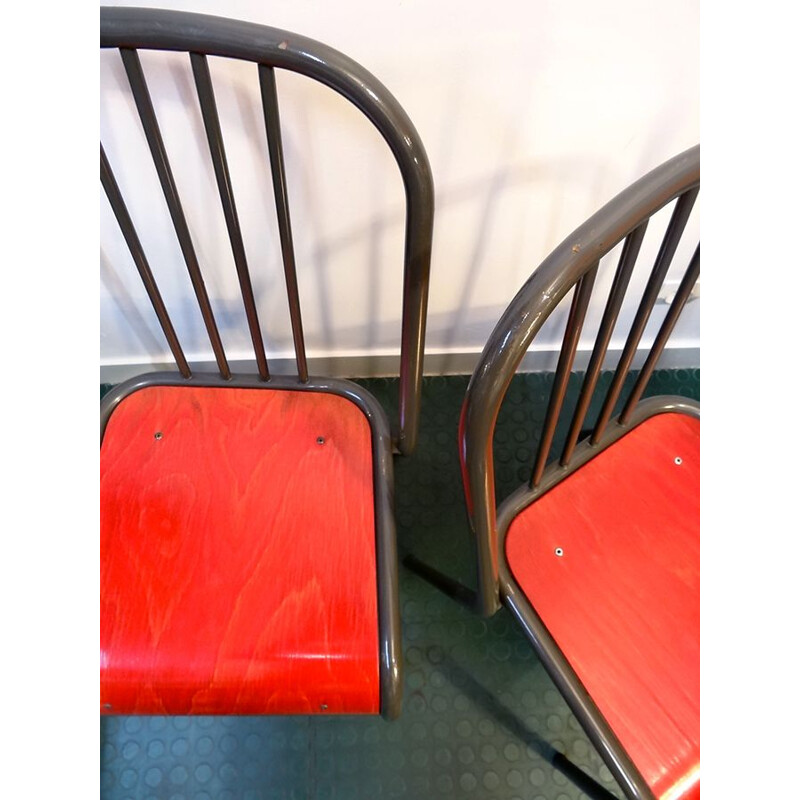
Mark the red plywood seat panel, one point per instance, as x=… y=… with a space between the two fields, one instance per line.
x=622 y=601
x=238 y=569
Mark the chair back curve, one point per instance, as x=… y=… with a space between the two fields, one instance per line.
x=574 y=265
x=130 y=30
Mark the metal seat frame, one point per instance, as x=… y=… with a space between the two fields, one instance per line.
x=132 y=29
x=573 y=264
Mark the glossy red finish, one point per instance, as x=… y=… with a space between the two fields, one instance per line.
x=237 y=554
x=623 y=601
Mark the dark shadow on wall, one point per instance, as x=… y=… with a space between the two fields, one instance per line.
x=140 y=327
x=445 y=330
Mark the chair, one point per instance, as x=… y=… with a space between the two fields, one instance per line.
x=248 y=555
x=597 y=557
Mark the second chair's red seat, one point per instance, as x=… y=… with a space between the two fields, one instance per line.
x=238 y=568
x=610 y=560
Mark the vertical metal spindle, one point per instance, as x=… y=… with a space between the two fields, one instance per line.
x=577 y=313
x=677 y=223
x=630 y=252
x=269 y=102
x=679 y=301
x=208 y=106
x=135 y=246
x=144 y=105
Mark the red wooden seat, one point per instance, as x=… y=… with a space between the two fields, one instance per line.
x=597 y=556
x=626 y=528
x=238 y=554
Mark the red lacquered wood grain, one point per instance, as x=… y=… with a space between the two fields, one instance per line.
x=238 y=571
x=623 y=601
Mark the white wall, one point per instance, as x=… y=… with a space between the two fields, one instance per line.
x=533 y=115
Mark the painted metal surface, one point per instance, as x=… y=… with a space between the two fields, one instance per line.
x=272 y=124
x=665 y=331
x=152 y=132
x=677 y=224
x=114 y=195
x=203 y=35
x=131 y=29
x=622 y=277
x=615 y=579
x=568 y=266
x=216 y=147
x=577 y=313
x=238 y=555
x=520 y=323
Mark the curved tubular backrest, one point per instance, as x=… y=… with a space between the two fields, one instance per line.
x=573 y=263
x=131 y=29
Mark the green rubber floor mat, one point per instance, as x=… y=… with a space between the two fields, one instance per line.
x=480 y=719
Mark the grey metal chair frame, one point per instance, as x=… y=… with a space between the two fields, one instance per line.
x=133 y=29
x=574 y=263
